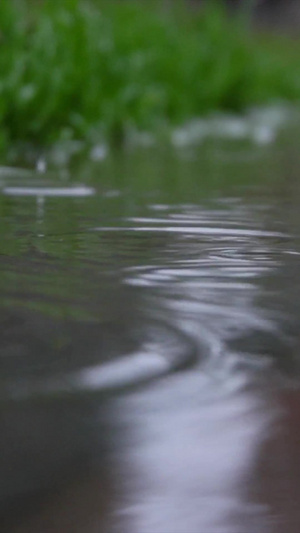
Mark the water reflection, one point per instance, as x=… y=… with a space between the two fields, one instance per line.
x=197 y=456
x=205 y=450
x=105 y=291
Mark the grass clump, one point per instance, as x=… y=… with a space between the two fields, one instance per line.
x=83 y=69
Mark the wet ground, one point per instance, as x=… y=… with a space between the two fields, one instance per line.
x=150 y=338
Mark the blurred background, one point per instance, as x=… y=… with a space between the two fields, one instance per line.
x=149 y=266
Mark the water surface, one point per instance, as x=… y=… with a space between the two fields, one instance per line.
x=149 y=322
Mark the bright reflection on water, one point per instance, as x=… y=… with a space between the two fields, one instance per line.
x=148 y=341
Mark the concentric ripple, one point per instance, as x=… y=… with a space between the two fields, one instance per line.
x=162 y=349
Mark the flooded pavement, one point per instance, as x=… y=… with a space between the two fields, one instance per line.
x=149 y=343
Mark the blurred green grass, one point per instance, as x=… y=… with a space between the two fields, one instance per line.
x=83 y=69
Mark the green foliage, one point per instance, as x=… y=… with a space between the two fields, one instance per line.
x=90 y=69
